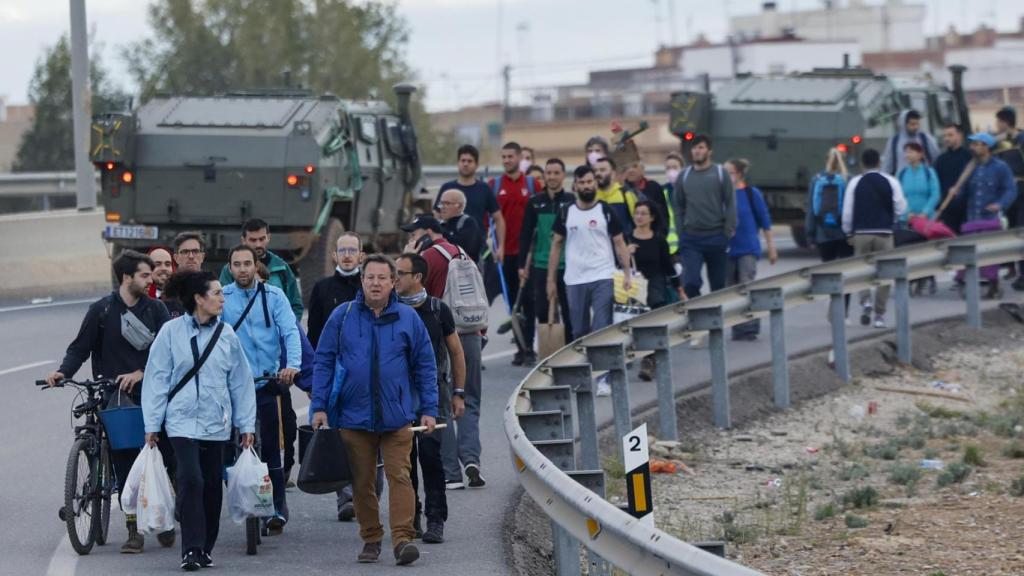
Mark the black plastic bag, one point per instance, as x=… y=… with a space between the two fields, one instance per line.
x=325 y=467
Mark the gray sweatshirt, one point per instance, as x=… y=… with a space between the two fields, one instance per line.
x=705 y=202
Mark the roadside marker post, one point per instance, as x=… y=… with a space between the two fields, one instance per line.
x=638 y=475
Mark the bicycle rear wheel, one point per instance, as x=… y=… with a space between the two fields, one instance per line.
x=79 y=479
x=101 y=504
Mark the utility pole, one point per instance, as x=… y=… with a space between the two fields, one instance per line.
x=81 y=103
x=506 y=110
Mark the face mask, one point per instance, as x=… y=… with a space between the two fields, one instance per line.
x=524 y=165
x=672 y=175
x=593 y=157
x=588 y=196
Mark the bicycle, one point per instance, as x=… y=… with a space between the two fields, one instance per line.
x=89 y=476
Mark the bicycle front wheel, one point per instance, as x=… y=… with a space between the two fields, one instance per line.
x=79 y=479
x=103 y=494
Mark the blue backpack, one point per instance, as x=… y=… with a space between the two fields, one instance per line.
x=827 y=200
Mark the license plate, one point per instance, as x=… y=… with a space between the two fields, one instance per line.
x=131 y=232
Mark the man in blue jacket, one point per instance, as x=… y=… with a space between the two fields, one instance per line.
x=374 y=375
x=261 y=316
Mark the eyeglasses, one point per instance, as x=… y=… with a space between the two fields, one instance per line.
x=448 y=203
x=346 y=251
x=403 y=273
x=191 y=252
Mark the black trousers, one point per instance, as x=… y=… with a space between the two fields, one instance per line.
x=290 y=429
x=836 y=250
x=200 y=491
x=270 y=442
x=538 y=282
x=426 y=448
x=510 y=270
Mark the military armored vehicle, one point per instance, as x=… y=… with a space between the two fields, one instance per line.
x=312 y=167
x=785 y=125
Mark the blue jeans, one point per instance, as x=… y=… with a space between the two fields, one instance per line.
x=698 y=251
x=590 y=306
x=460 y=442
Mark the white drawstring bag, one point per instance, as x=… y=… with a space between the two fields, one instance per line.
x=250 y=493
x=154 y=498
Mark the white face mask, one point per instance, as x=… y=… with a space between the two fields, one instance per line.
x=524 y=165
x=672 y=175
x=593 y=157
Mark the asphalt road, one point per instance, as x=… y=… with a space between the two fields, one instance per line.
x=37 y=433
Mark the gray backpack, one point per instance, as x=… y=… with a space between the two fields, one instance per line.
x=464 y=292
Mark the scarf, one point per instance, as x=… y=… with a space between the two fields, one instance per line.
x=415 y=299
x=353 y=272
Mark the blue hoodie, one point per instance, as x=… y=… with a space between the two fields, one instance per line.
x=921 y=189
x=268 y=322
x=390 y=375
x=222 y=395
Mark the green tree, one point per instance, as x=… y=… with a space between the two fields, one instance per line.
x=351 y=49
x=49 y=143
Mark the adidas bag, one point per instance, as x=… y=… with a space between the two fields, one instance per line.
x=464 y=292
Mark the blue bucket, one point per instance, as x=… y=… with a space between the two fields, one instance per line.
x=125 y=428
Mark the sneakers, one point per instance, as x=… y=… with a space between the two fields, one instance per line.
x=603 y=387
x=166 y=539
x=475 y=479
x=505 y=327
x=370 y=553
x=454 y=485
x=517 y=359
x=434 y=533
x=346 y=512
x=190 y=562
x=205 y=560
x=275 y=525
x=865 y=314
x=879 y=322
x=406 y=553
x=529 y=359
x=135 y=542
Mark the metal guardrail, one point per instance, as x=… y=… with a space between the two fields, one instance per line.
x=541 y=419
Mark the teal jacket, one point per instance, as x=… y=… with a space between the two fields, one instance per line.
x=222 y=395
x=269 y=323
x=281 y=275
x=921 y=189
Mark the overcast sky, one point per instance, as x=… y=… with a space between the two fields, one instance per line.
x=454 y=43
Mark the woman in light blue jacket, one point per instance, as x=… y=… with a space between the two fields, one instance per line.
x=920 y=184
x=200 y=407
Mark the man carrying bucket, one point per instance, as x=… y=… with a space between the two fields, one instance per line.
x=116 y=333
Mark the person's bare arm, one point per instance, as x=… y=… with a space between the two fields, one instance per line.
x=623 y=253
x=499 y=231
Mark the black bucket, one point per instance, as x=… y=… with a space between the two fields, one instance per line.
x=305 y=435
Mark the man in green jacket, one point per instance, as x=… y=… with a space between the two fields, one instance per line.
x=256 y=235
x=535 y=246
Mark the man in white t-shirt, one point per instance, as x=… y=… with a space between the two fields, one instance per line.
x=589 y=229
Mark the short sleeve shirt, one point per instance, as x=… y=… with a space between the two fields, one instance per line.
x=588 y=243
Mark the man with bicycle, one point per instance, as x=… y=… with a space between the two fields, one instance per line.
x=116 y=334
x=262 y=318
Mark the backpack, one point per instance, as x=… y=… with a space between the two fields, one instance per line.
x=464 y=292
x=749 y=190
x=827 y=200
x=927 y=174
x=531 y=185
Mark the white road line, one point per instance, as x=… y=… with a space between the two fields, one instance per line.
x=26 y=367
x=301 y=413
x=50 y=305
x=64 y=561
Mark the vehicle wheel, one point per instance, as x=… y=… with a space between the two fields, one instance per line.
x=319 y=262
x=799 y=233
x=252 y=535
x=79 y=479
x=101 y=505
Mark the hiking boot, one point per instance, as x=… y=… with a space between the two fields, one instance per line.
x=370 y=553
x=346 y=512
x=166 y=539
x=865 y=314
x=406 y=553
x=476 y=480
x=135 y=542
x=434 y=533
x=190 y=561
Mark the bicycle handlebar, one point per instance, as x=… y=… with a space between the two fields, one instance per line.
x=100 y=383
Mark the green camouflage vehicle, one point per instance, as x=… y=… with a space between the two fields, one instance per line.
x=312 y=167
x=785 y=125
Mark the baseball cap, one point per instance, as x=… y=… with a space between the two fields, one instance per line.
x=423 y=222
x=983 y=137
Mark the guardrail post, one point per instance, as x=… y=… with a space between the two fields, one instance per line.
x=713 y=320
x=566 y=551
x=831 y=283
x=579 y=379
x=772 y=301
x=594 y=481
x=656 y=338
x=896 y=269
x=966 y=255
x=612 y=357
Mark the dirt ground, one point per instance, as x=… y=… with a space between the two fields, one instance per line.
x=836 y=484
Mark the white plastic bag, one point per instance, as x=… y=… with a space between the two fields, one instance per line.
x=130 y=490
x=250 y=493
x=155 y=500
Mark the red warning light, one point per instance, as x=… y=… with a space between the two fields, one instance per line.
x=310 y=168
x=292 y=180
x=110 y=166
x=856 y=139
x=127 y=177
x=688 y=136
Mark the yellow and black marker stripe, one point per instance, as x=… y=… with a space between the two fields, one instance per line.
x=638 y=491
